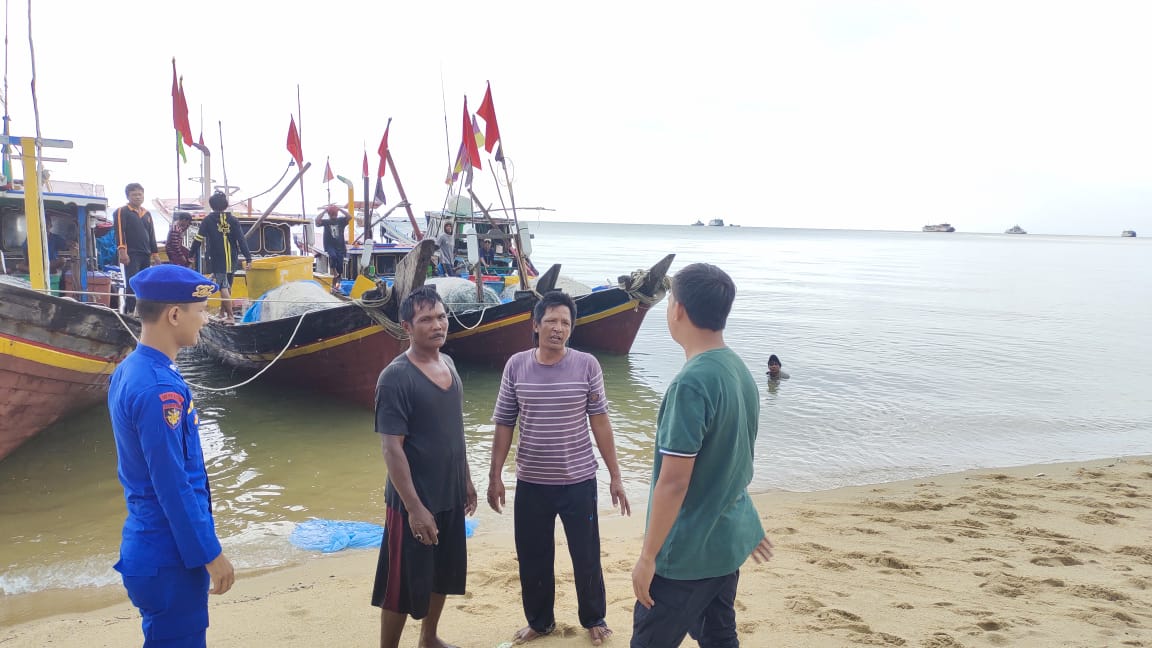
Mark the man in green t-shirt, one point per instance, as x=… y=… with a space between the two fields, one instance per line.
x=702 y=525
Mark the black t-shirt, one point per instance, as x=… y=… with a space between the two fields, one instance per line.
x=334 y=234
x=409 y=404
x=134 y=231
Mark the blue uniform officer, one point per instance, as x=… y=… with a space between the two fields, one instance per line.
x=170 y=557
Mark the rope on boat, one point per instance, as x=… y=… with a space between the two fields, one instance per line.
x=291 y=338
x=372 y=308
x=637 y=279
x=469 y=328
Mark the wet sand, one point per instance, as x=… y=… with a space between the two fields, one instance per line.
x=1046 y=555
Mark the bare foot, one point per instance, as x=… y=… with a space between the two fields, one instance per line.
x=526 y=634
x=436 y=642
x=599 y=634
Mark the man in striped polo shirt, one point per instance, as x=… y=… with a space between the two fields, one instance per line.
x=556 y=394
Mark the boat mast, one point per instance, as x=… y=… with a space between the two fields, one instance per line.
x=7 y=152
x=38 y=167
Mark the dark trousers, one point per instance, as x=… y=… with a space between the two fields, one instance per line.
x=536 y=508
x=173 y=606
x=136 y=263
x=701 y=608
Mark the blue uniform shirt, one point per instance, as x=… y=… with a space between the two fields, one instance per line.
x=161 y=465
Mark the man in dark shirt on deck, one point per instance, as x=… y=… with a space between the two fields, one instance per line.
x=335 y=220
x=135 y=238
x=420 y=415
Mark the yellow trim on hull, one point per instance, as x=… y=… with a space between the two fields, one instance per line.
x=608 y=313
x=500 y=323
x=324 y=344
x=52 y=357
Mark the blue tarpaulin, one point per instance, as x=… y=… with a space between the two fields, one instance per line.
x=328 y=536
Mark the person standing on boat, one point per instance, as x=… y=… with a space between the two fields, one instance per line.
x=334 y=220
x=223 y=240
x=170 y=557
x=174 y=246
x=429 y=491
x=556 y=394
x=135 y=238
x=487 y=254
x=446 y=245
x=701 y=525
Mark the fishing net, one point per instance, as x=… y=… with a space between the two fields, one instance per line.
x=459 y=294
x=291 y=300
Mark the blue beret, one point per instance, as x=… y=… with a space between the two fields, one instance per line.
x=172 y=284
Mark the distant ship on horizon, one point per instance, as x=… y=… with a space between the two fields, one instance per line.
x=1015 y=229
x=942 y=227
x=1128 y=233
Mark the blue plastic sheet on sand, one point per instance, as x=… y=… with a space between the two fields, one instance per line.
x=328 y=536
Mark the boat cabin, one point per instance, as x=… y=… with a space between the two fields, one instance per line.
x=75 y=216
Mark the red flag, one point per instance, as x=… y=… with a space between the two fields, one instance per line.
x=201 y=139
x=487 y=112
x=383 y=151
x=328 y=171
x=180 y=108
x=294 y=143
x=365 y=164
x=469 y=138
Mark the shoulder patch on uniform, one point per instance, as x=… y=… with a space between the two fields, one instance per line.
x=173 y=405
x=594 y=397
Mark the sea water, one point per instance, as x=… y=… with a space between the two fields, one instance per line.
x=910 y=354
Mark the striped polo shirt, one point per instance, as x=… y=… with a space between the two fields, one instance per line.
x=552 y=404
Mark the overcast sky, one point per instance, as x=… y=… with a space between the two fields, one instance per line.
x=853 y=114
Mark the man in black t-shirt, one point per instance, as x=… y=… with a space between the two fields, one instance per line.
x=135 y=238
x=334 y=220
x=420 y=415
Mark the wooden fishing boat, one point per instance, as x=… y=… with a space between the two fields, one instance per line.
x=56 y=352
x=609 y=319
x=492 y=334
x=339 y=350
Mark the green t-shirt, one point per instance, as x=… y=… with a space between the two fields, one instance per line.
x=710 y=412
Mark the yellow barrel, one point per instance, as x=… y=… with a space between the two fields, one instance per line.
x=272 y=272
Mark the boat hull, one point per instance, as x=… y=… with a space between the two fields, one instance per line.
x=338 y=351
x=606 y=320
x=56 y=356
x=490 y=336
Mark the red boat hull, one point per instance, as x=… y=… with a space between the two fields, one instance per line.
x=348 y=371
x=339 y=351
x=55 y=358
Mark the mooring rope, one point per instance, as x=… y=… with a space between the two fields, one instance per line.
x=291 y=338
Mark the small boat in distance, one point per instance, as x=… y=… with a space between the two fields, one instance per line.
x=716 y=222
x=942 y=227
x=1128 y=234
x=1015 y=229
x=698 y=224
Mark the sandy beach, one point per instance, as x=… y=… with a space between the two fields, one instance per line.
x=1047 y=555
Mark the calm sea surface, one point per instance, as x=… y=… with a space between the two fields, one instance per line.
x=911 y=354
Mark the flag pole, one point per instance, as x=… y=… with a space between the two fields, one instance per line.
x=367 y=196
x=223 y=167
x=300 y=134
x=327 y=181
x=179 y=136
x=404 y=197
